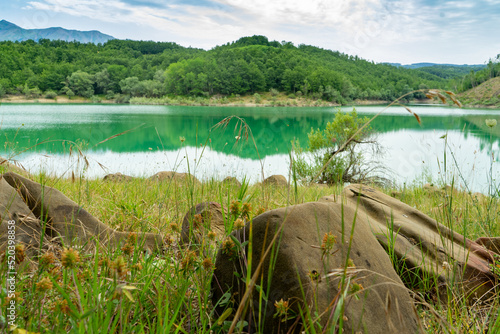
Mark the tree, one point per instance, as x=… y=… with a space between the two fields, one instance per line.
x=340 y=142
x=81 y=83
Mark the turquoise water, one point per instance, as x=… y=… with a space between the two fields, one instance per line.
x=155 y=138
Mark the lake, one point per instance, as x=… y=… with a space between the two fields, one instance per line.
x=155 y=138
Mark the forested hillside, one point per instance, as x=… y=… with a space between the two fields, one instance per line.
x=122 y=68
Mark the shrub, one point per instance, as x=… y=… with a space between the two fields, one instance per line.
x=340 y=142
x=50 y=94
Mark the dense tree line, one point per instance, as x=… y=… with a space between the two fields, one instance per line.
x=475 y=78
x=121 y=68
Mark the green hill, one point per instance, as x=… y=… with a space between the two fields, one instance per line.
x=486 y=94
x=123 y=68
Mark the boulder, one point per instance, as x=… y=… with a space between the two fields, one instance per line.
x=311 y=251
x=12 y=166
x=17 y=222
x=200 y=219
x=173 y=176
x=117 y=177
x=231 y=182
x=66 y=221
x=426 y=247
x=276 y=180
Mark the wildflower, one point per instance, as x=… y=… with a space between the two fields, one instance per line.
x=197 y=220
x=47 y=258
x=132 y=238
x=282 y=309
x=120 y=266
x=356 y=287
x=228 y=247
x=174 y=227
x=16 y=297
x=168 y=239
x=207 y=263
x=260 y=211
x=182 y=139
x=491 y=123
x=234 y=208
x=44 y=285
x=128 y=249
x=239 y=223
x=246 y=210
x=211 y=235
x=20 y=255
x=189 y=260
x=104 y=263
x=70 y=258
x=63 y=306
x=329 y=241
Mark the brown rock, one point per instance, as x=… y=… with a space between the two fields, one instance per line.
x=17 y=222
x=305 y=276
x=173 y=176
x=67 y=220
x=276 y=180
x=11 y=166
x=431 y=248
x=117 y=177
x=231 y=181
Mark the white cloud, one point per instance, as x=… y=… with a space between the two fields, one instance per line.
x=373 y=29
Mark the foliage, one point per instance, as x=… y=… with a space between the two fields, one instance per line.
x=340 y=139
x=247 y=66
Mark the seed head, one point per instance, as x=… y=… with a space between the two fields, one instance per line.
x=246 y=211
x=70 y=258
x=235 y=208
x=207 y=263
x=20 y=255
x=47 y=258
x=239 y=223
x=44 y=285
x=189 y=260
x=174 y=227
x=128 y=249
x=211 y=235
x=120 y=266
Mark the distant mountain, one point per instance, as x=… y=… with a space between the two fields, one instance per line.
x=11 y=32
x=445 y=71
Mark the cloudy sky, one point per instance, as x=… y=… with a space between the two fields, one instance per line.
x=403 y=31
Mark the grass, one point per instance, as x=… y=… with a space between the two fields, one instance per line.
x=128 y=291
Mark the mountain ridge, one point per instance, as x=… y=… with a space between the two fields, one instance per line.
x=12 y=32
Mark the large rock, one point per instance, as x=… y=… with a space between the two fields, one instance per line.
x=231 y=181
x=117 y=177
x=65 y=220
x=17 y=222
x=174 y=176
x=425 y=246
x=11 y=166
x=276 y=180
x=308 y=276
x=200 y=219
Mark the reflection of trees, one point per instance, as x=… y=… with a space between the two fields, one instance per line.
x=273 y=129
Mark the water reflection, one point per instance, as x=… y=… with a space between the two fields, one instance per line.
x=150 y=139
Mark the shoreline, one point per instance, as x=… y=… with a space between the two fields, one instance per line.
x=246 y=101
